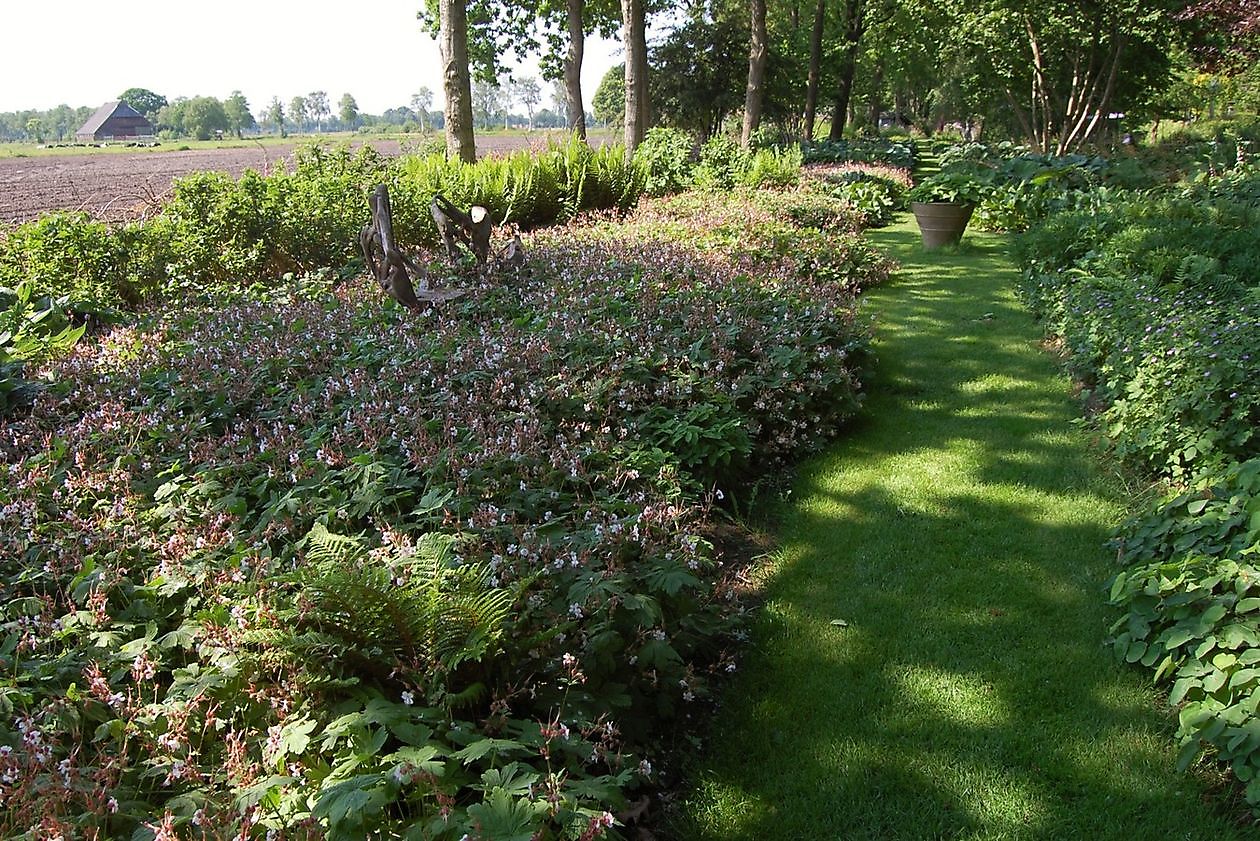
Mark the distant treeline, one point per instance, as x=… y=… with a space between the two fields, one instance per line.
x=203 y=117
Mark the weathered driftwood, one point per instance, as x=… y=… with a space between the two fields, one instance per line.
x=392 y=268
x=470 y=229
x=513 y=254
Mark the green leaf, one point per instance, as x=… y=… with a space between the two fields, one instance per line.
x=481 y=747
x=294 y=737
x=266 y=789
x=504 y=818
x=424 y=758
x=1190 y=750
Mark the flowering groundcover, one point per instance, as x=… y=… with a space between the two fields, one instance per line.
x=298 y=563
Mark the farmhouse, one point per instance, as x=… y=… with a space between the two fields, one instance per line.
x=113 y=120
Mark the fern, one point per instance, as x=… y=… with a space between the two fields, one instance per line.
x=364 y=614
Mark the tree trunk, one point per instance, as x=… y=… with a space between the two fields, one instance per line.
x=844 y=90
x=634 y=36
x=645 y=101
x=453 y=23
x=854 y=27
x=573 y=68
x=815 y=68
x=876 y=105
x=755 y=92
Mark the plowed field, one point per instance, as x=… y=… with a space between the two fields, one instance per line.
x=124 y=186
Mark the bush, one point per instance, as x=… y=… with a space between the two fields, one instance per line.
x=217 y=233
x=772 y=168
x=894 y=153
x=71 y=255
x=1157 y=301
x=1191 y=596
x=667 y=156
x=722 y=163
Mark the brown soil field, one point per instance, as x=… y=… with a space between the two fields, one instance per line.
x=125 y=186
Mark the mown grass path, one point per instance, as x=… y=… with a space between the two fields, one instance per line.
x=930 y=660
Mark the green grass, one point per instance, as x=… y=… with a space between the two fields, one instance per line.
x=958 y=533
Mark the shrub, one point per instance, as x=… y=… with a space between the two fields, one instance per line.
x=667 y=157
x=895 y=153
x=1156 y=300
x=70 y=255
x=722 y=163
x=772 y=168
x=1191 y=596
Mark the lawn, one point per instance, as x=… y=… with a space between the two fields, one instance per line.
x=929 y=662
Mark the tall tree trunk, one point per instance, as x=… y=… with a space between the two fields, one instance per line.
x=815 y=68
x=844 y=91
x=453 y=23
x=757 y=53
x=634 y=36
x=876 y=105
x=645 y=99
x=854 y=27
x=573 y=68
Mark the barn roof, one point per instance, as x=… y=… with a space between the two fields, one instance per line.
x=117 y=108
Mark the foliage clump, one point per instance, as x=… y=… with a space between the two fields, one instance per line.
x=1156 y=298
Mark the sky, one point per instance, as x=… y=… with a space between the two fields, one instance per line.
x=86 y=52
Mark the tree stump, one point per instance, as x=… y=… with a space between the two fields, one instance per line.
x=392 y=268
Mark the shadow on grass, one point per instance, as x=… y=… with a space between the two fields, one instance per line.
x=930 y=660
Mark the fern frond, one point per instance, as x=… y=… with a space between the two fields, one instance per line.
x=323 y=546
x=364 y=614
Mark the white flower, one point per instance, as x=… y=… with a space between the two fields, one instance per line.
x=408 y=697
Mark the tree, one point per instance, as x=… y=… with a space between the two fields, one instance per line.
x=634 y=37
x=348 y=111
x=700 y=66
x=1062 y=66
x=1224 y=34
x=855 y=19
x=815 y=68
x=574 y=18
x=609 y=101
x=529 y=92
x=144 y=100
x=488 y=101
x=421 y=102
x=171 y=117
x=560 y=105
x=236 y=109
x=453 y=28
x=275 y=116
x=62 y=121
x=757 y=56
x=35 y=129
x=298 y=112
x=203 y=116
x=317 y=107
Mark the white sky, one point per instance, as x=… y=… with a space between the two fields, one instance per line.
x=86 y=52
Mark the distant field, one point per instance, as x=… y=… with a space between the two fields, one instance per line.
x=118 y=183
